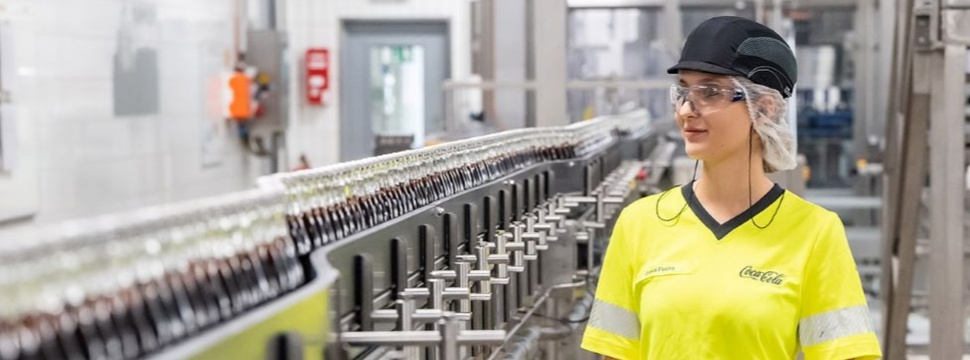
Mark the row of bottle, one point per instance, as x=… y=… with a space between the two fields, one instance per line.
x=331 y=205
x=137 y=283
x=135 y=289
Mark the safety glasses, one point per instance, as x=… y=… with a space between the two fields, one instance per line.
x=704 y=97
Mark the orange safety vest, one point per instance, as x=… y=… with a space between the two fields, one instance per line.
x=241 y=106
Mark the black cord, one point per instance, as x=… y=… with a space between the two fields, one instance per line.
x=750 y=203
x=782 y=199
x=691 y=183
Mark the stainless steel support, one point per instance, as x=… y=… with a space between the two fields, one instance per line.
x=549 y=21
x=912 y=172
x=932 y=96
x=947 y=213
x=450 y=332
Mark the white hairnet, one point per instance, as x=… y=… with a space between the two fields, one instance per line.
x=768 y=110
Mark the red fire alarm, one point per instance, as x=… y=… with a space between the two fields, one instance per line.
x=317 y=75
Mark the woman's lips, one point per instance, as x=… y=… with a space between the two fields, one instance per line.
x=694 y=134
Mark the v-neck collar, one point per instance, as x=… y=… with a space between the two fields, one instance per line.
x=721 y=230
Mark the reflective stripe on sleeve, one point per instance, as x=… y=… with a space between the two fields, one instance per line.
x=834 y=324
x=615 y=320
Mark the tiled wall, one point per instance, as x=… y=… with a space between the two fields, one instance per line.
x=80 y=153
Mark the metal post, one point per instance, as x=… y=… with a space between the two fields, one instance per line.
x=487 y=53
x=911 y=171
x=892 y=159
x=864 y=100
x=549 y=19
x=671 y=30
x=946 y=214
x=449 y=336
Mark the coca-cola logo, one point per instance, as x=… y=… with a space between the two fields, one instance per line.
x=769 y=277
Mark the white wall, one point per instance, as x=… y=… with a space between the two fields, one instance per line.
x=77 y=156
x=318 y=23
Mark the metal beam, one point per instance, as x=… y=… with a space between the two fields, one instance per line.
x=671 y=31
x=549 y=17
x=902 y=74
x=865 y=77
x=946 y=214
x=912 y=171
x=805 y=4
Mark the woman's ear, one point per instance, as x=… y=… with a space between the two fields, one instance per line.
x=759 y=143
x=767 y=106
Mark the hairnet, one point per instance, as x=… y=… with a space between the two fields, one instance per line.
x=768 y=110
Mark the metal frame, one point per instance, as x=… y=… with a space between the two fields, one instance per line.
x=946 y=214
x=549 y=38
x=725 y=3
x=932 y=78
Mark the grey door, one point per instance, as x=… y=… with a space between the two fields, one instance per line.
x=390 y=82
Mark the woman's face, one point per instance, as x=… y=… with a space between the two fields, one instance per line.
x=714 y=123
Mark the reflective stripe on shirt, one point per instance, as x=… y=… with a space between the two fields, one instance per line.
x=615 y=320
x=827 y=326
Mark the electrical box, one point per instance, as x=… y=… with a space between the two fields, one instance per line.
x=264 y=52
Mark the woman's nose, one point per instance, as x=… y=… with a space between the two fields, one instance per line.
x=687 y=109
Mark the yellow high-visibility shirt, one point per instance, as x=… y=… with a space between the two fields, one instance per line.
x=691 y=288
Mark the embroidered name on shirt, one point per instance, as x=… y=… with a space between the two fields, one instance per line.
x=659 y=270
x=770 y=277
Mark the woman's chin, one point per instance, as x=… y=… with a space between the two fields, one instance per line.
x=695 y=151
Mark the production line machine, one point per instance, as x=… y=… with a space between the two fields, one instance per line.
x=484 y=248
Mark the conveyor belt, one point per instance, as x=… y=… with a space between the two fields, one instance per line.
x=440 y=252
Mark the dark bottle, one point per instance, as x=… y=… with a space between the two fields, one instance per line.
x=121 y=319
x=91 y=342
x=67 y=332
x=171 y=308
x=296 y=229
x=280 y=267
x=359 y=207
x=140 y=320
x=396 y=201
x=158 y=314
x=348 y=218
x=236 y=283
x=270 y=272
x=381 y=204
x=220 y=289
x=295 y=272
x=207 y=294
x=194 y=299
x=305 y=244
x=326 y=225
x=248 y=272
x=42 y=325
x=266 y=288
x=335 y=221
x=343 y=226
x=183 y=306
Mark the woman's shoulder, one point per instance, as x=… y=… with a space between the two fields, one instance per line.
x=645 y=209
x=806 y=210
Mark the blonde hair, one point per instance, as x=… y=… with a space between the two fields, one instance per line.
x=768 y=111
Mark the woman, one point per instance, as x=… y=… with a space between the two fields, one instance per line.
x=730 y=265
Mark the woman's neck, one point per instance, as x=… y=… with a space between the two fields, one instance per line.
x=723 y=185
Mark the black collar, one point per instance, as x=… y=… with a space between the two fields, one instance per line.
x=721 y=230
